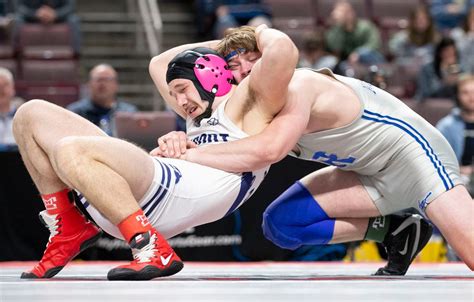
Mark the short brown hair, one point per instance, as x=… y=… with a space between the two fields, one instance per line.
x=239 y=37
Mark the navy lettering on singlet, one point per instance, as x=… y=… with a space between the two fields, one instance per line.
x=332 y=159
x=207 y=138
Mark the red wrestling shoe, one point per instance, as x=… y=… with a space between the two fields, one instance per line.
x=153 y=258
x=70 y=234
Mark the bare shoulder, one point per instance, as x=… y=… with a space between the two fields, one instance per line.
x=306 y=82
x=306 y=76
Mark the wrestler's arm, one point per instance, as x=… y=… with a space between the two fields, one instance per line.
x=268 y=83
x=271 y=75
x=159 y=65
x=257 y=151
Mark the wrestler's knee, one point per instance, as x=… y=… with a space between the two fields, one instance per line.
x=69 y=155
x=295 y=218
x=26 y=114
x=277 y=233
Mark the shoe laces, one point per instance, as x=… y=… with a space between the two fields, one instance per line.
x=147 y=252
x=51 y=223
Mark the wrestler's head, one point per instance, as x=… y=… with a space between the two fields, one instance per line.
x=465 y=97
x=195 y=77
x=240 y=50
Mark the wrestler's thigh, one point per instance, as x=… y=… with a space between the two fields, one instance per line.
x=340 y=193
x=48 y=123
x=126 y=159
x=452 y=212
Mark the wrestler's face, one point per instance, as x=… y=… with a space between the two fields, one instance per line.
x=466 y=96
x=241 y=64
x=187 y=97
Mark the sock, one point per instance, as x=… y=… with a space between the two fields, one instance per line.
x=134 y=224
x=59 y=202
x=377 y=228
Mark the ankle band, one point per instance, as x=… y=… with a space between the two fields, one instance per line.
x=58 y=202
x=134 y=224
x=377 y=228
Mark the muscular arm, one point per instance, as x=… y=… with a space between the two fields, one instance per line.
x=257 y=151
x=268 y=81
x=271 y=75
x=159 y=65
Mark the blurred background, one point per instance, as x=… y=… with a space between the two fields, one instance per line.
x=92 y=58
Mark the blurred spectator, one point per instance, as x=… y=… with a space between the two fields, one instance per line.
x=458 y=128
x=438 y=78
x=6 y=20
x=313 y=53
x=8 y=106
x=215 y=16
x=464 y=37
x=237 y=13
x=351 y=38
x=100 y=107
x=447 y=14
x=417 y=41
x=48 y=12
x=377 y=77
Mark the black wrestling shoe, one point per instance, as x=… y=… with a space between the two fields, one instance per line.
x=408 y=236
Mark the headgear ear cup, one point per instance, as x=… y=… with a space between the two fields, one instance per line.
x=213 y=73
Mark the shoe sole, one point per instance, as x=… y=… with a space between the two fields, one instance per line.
x=55 y=270
x=147 y=273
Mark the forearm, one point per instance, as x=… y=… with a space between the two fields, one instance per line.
x=272 y=74
x=257 y=151
x=276 y=46
x=237 y=156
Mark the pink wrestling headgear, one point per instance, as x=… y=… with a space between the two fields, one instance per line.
x=213 y=73
x=208 y=71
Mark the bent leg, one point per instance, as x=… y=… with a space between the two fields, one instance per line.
x=452 y=212
x=111 y=173
x=61 y=149
x=327 y=206
x=38 y=126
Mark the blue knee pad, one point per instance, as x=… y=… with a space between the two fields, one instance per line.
x=295 y=218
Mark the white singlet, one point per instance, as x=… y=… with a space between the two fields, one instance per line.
x=185 y=194
x=402 y=160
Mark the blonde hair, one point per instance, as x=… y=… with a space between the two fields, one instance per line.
x=239 y=37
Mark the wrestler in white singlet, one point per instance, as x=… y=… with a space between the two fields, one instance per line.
x=185 y=194
x=402 y=160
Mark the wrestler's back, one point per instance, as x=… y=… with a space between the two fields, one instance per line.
x=332 y=103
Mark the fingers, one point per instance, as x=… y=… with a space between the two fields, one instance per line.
x=190 y=144
x=181 y=144
x=173 y=145
x=157 y=152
